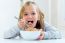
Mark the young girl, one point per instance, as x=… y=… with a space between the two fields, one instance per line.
x=32 y=19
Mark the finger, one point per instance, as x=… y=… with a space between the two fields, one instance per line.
x=41 y=38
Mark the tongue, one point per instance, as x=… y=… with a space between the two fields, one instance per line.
x=30 y=23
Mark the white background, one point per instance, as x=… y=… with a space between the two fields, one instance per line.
x=8 y=10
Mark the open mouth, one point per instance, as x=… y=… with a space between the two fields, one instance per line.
x=30 y=21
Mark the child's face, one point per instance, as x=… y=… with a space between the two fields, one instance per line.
x=31 y=15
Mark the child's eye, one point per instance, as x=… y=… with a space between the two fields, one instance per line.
x=33 y=13
x=25 y=14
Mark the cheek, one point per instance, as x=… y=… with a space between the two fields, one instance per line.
x=35 y=19
x=25 y=17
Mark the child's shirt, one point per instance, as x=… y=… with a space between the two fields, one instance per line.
x=50 y=32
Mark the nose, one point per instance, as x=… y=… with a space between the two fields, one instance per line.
x=30 y=16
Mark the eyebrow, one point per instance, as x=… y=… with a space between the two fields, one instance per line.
x=25 y=12
x=31 y=11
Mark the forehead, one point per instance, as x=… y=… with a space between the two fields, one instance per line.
x=30 y=8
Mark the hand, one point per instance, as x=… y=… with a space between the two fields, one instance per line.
x=21 y=23
x=41 y=37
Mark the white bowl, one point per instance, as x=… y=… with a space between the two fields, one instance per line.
x=30 y=35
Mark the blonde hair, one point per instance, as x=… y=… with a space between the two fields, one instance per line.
x=40 y=22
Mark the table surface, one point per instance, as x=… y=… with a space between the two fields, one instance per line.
x=31 y=41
